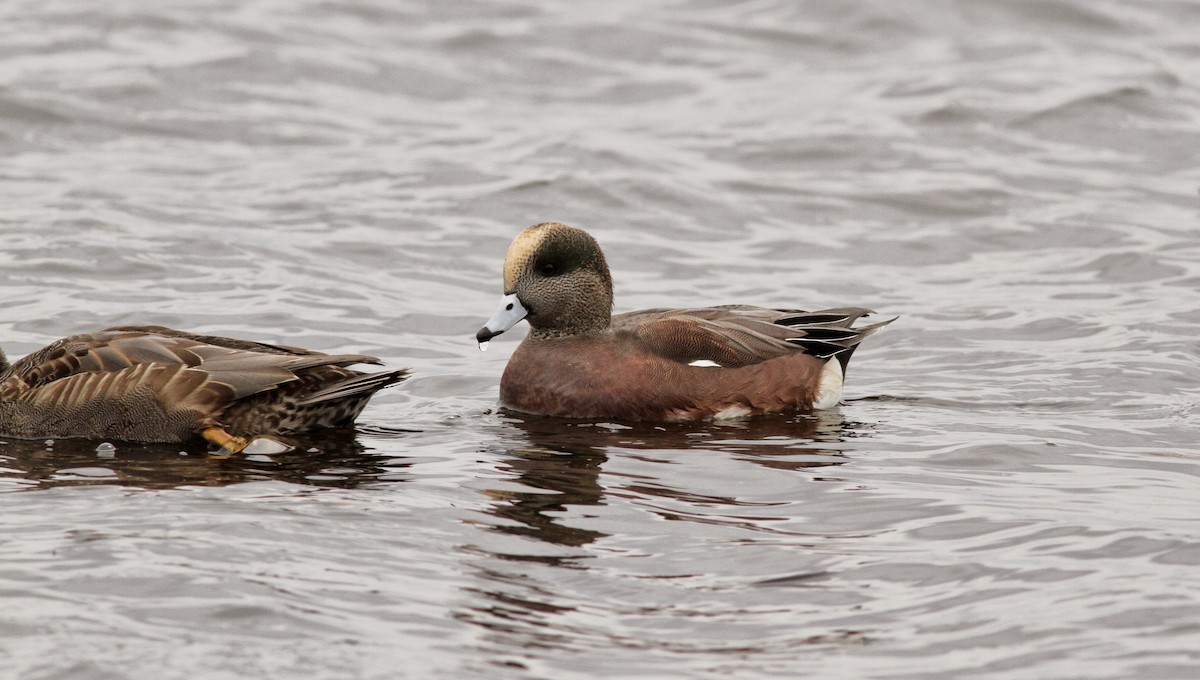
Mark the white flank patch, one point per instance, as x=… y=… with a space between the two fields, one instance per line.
x=829 y=389
x=705 y=363
x=732 y=412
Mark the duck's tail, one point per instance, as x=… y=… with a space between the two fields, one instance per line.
x=830 y=332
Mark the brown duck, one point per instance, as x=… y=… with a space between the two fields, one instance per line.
x=579 y=360
x=155 y=384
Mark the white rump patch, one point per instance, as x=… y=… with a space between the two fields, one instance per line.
x=829 y=389
x=705 y=363
x=732 y=412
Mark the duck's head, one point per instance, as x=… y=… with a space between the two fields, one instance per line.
x=556 y=278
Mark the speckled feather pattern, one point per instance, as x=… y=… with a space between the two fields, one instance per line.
x=552 y=301
x=156 y=384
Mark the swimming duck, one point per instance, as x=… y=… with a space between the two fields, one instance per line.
x=155 y=384
x=581 y=361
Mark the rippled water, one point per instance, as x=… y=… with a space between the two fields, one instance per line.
x=1010 y=490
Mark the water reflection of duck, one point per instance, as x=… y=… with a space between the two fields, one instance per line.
x=327 y=458
x=560 y=462
x=579 y=360
x=155 y=384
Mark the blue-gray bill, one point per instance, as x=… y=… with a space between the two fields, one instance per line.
x=509 y=313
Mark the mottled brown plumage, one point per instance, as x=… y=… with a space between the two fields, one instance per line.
x=579 y=360
x=155 y=384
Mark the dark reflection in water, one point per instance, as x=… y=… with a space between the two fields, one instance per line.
x=560 y=461
x=331 y=458
x=559 y=472
x=752 y=438
x=558 y=478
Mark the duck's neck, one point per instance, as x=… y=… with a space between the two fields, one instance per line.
x=580 y=319
x=593 y=328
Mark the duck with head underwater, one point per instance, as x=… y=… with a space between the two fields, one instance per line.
x=155 y=384
x=581 y=361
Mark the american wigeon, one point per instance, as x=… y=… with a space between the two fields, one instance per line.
x=579 y=360
x=154 y=384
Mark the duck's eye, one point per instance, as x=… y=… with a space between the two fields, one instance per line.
x=548 y=269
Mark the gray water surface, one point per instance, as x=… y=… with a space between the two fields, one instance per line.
x=1011 y=488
